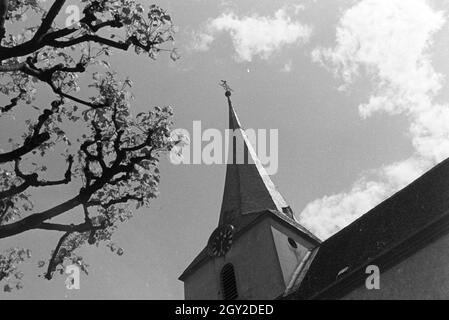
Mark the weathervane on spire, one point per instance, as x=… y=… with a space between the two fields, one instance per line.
x=224 y=84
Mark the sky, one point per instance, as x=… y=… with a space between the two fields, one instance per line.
x=356 y=90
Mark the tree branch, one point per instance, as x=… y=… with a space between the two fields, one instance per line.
x=31 y=180
x=114 y=201
x=3 y=13
x=29 y=145
x=120 y=165
x=46 y=75
x=80 y=228
x=68 y=229
x=90 y=38
x=36 y=139
x=48 y=20
x=13 y=102
x=34 y=220
x=53 y=263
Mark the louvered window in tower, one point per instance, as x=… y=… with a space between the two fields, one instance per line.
x=228 y=283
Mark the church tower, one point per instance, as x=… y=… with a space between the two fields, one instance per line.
x=258 y=248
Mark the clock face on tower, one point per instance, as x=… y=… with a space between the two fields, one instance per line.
x=220 y=241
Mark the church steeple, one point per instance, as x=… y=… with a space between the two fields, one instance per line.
x=248 y=187
x=257 y=247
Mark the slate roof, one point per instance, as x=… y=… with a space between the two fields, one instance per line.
x=248 y=187
x=395 y=228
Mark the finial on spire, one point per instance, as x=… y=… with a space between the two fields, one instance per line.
x=224 y=84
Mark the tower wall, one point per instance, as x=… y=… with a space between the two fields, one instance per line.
x=288 y=256
x=202 y=283
x=256 y=267
x=264 y=263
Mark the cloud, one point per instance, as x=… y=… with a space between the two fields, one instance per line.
x=202 y=41
x=327 y=215
x=254 y=35
x=387 y=41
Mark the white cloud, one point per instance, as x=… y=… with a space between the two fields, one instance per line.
x=254 y=35
x=329 y=214
x=387 y=41
x=202 y=41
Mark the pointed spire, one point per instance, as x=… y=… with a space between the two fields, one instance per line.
x=248 y=187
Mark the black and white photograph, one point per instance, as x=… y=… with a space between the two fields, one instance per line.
x=231 y=157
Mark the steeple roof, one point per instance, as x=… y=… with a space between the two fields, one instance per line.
x=248 y=187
